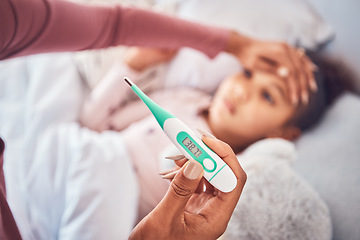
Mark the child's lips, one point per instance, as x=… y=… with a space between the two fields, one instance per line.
x=229 y=105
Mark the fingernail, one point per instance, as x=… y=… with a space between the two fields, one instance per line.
x=206 y=133
x=301 y=52
x=305 y=98
x=313 y=85
x=193 y=170
x=314 y=67
x=175 y=157
x=170 y=175
x=166 y=172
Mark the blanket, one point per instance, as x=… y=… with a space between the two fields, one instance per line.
x=63 y=181
x=68 y=182
x=277 y=203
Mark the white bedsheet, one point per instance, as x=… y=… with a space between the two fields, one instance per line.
x=63 y=181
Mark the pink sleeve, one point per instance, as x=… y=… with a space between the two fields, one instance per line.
x=37 y=26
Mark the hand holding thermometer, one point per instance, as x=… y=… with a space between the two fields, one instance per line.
x=216 y=171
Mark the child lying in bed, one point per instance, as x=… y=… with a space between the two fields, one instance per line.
x=249 y=110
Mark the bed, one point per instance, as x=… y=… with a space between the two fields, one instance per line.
x=328 y=155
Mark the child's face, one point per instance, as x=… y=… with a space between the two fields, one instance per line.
x=250 y=107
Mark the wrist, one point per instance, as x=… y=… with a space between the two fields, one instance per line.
x=237 y=43
x=150 y=228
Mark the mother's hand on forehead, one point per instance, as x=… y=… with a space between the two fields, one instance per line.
x=288 y=62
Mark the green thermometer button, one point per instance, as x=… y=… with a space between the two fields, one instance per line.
x=196 y=151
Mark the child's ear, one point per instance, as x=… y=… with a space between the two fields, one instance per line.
x=289 y=133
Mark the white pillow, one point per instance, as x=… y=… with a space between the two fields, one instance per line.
x=292 y=21
x=329 y=158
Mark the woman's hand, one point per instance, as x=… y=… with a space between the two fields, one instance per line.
x=288 y=62
x=188 y=211
x=140 y=58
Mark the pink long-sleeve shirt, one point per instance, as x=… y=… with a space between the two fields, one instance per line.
x=37 y=26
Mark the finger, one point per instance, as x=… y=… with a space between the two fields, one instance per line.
x=175 y=157
x=225 y=202
x=181 y=162
x=301 y=80
x=201 y=186
x=306 y=84
x=269 y=65
x=293 y=81
x=170 y=175
x=264 y=63
x=181 y=189
x=169 y=170
x=209 y=188
x=166 y=171
x=311 y=67
x=225 y=152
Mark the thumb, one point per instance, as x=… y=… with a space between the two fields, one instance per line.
x=182 y=188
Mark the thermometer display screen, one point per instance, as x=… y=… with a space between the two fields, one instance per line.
x=192 y=147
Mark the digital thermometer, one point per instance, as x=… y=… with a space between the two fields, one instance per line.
x=216 y=171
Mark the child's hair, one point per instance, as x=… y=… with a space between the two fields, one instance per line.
x=332 y=78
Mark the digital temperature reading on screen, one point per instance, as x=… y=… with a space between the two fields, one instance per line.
x=192 y=147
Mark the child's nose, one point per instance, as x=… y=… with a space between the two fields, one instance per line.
x=241 y=93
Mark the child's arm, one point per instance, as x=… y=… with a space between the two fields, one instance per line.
x=107 y=97
x=121 y=118
x=108 y=106
x=141 y=58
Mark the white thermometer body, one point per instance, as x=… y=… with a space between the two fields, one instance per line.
x=216 y=171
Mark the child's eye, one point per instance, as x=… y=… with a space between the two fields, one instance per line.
x=266 y=95
x=247 y=73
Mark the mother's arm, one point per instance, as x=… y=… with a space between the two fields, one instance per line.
x=38 y=26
